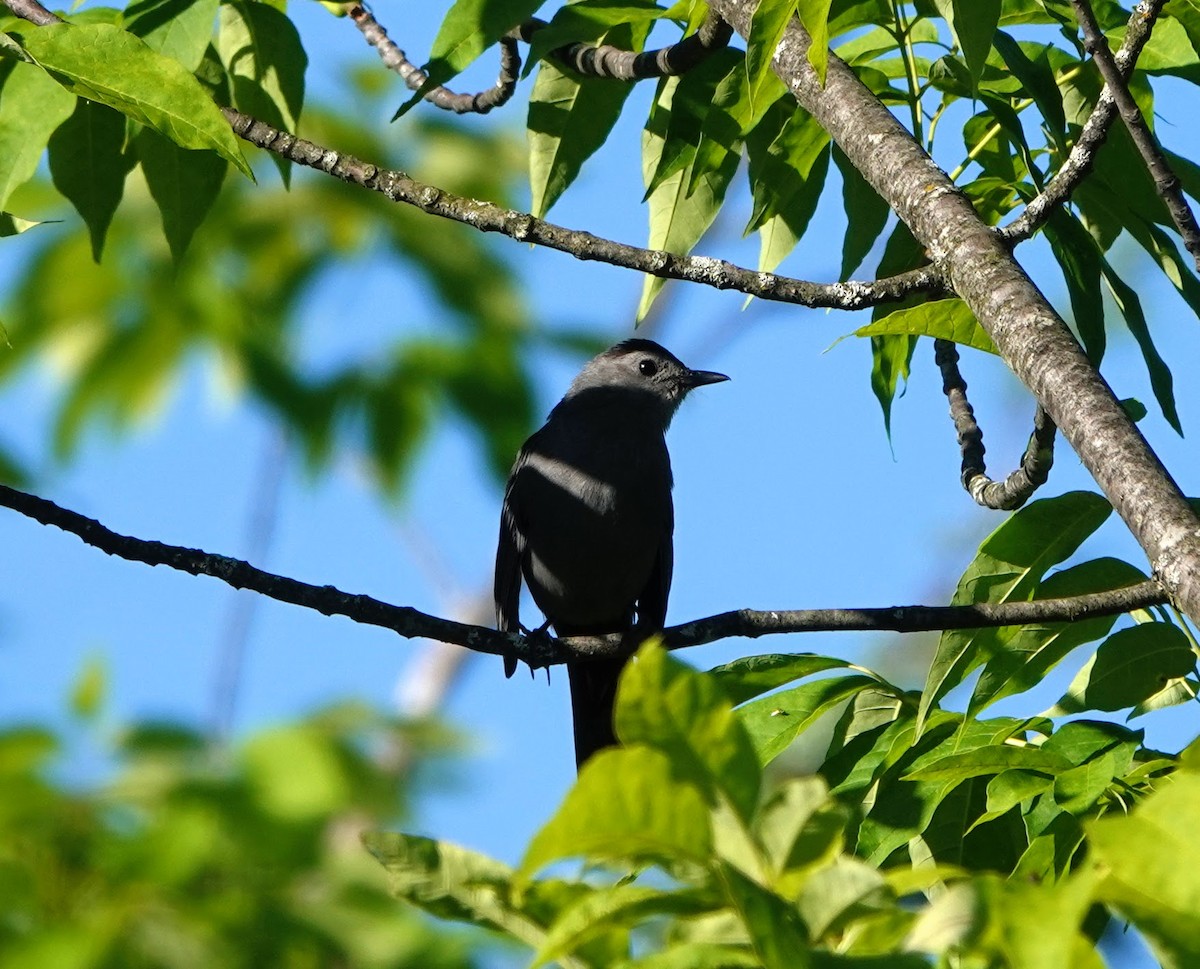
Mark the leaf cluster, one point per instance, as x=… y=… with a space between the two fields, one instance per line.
x=924 y=833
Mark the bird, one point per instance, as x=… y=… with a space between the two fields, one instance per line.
x=588 y=520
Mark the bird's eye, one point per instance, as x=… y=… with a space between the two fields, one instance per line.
x=648 y=368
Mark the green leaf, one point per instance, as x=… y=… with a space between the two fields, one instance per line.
x=627 y=805
x=696 y=955
x=1037 y=77
x=866 y=215
x=836 y=895
x=789 y=160
x=469 y=28
x=891 y=355
x=751 y=676
x=179 y=29
x=295 y=773
x=989 y=760
x=678 y=218
x=89 y=690
x=800 y=825
x=774 y=928
x=767 y=24
x=452 y=883
x=13 y=225
x=569 y=119
x=1080 y=260
x=947 y=319
x=1150 y=860
x=265 y=60
x=1007 y=568
x=109 y=65
x=774 y=721
x=88 y=163
x=1130 y=666
x=973 y=24
x=31 y=107
x=669 y=706
x=617 y=907
x=184 y=184
x=1022 y=660
x=814 y=14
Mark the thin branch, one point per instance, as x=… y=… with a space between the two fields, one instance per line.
x=542 y=650
x=1092 y=137
x=1036 y=462
x=605 y=60
x=488 y=217
x=1165 y=180
x=33 y=11
x=394 y=59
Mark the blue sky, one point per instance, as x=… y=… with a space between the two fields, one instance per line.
x=788 y=493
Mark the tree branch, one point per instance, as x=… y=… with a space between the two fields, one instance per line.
x=394 y=59
x=1165 y=180
x=542 y=650
x=1016 y=489
x=1032 y=338
x=488 y=217
x=1095 y=131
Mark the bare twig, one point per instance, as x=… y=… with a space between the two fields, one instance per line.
x=605 y=60
x=488 y=217
x=541 y=650
x=394 y=59
x=33 y=11
x=1036 y=462
x=1165 y=180
x=1095 y=131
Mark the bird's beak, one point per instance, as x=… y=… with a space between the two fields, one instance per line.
x=698 y=378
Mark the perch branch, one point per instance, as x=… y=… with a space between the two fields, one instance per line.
x=540 y=651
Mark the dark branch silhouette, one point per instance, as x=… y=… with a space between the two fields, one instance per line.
x=1036 y=462
x=542 y=650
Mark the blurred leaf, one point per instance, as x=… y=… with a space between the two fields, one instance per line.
x=106 y=64
x=90 y=688
x=666 y=705
x=625 y=806
x=775 y=930
x=1150 y=860
x=620 y=906
x=31 y=107
x=1007 y=568
x=295 y=773
x=750 y=676
x=696 y=955
x=89 y=163
x=1130 y=666
x=845 y=890
x=946 y=319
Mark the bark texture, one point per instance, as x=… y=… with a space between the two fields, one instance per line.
x=1031 y=336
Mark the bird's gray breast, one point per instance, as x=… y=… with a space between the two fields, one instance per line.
x=594 y=503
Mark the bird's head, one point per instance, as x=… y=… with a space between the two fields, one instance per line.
x=639 y=374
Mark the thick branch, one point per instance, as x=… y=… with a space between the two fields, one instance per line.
x=488 y=217
x=540 y=651
x=1165 y=180
x=1031 y=336
x=1021 y=483
x=605 y=60
x=1094 y=133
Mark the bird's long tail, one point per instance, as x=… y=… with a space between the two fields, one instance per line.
x=593 y=696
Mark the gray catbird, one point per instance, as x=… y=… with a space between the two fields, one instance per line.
x=588 y=519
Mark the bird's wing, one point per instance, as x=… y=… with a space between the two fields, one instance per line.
x=509 y=551
x=652 y=603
